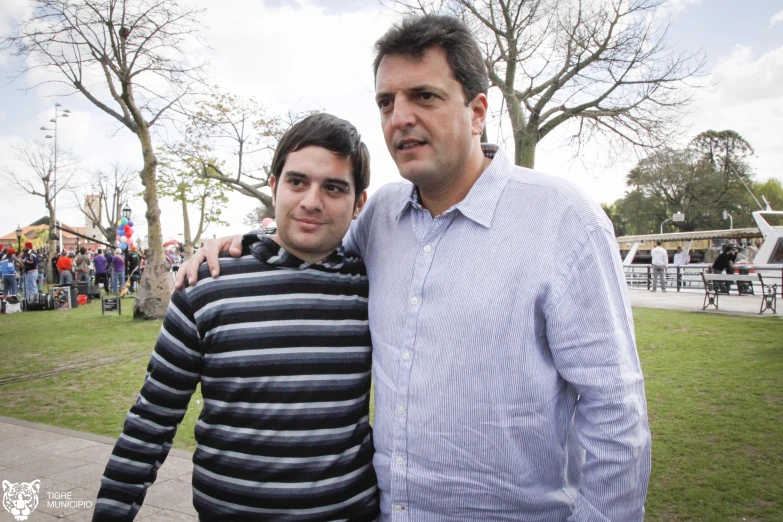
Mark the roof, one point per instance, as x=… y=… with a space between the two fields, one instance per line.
x=736 y=233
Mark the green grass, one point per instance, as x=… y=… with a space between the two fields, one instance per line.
x=713 y=382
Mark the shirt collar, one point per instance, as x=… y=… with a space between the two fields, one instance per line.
x=482 y=199
x=258 y=244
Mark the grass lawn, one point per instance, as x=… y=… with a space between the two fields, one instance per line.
x=714 y=392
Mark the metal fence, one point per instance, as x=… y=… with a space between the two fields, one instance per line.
x=688 y=277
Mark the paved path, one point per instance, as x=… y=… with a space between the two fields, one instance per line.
x=69 y=465
x=692 y=301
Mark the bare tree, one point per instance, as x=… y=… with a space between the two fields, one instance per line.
x=108 y=191
x=130 y=59
x=242 y=133
x=39 y=178
x=603 y=67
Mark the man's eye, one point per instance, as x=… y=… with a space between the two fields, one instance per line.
x=384 y=104
x=427 y=96
x=295 y=182
x=335 y=188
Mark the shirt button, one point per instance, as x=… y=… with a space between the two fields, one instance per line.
x=414 y=300
x=406 y=355
x=400 y=409
x=399 y=460
x=427 y=249
x=397 y=508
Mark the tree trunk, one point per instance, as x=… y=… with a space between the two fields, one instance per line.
x=156 y=283
x=525 y=151
x=188 y=243
x=524 y=140
x=52 y=246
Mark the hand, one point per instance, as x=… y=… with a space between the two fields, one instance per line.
x=209 y=253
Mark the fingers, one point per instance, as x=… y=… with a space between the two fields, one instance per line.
x=236 y=246
x=189 y=269
x=210 y=253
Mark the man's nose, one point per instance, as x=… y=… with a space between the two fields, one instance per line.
x=402 y=115
x=311 y=200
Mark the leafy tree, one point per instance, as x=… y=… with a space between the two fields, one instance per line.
x=602 y=68
x=772 y=190
x=129 y=58
x=180 y=182
x=693 y=181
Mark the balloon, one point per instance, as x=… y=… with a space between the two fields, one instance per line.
x=124 y=221
x=118 y=237
x=130 y=223
x=119 y=222
x=265 y=222
x=133 y=248
x=123 y=246
x=130 y=242
x=120 y=232
x=123 y=239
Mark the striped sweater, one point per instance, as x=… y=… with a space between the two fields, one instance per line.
x=282 y=351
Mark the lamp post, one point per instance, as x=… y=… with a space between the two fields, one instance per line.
x=678 y=217
x=59 y=112
x=18 y=238
x=726 y=215
x=126 y=212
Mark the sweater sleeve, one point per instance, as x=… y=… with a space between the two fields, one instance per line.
x=173 y=373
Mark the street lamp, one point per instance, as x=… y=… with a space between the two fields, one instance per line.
x=126 y=212
x=726 y=215
x=677 y=217
x=18 y=238
x=61 y=113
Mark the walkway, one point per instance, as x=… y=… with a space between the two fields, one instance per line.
x=69 y=465
x=692 y=301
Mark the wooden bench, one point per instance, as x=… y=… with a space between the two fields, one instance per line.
x=716 y=284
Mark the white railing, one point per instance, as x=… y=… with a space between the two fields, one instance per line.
x=688 y=277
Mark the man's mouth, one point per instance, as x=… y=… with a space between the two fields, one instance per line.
x=309 y=221
x=409 y=144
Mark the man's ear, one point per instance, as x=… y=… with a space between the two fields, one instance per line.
x=478 y=106
x=273 y=186
x=360 y=201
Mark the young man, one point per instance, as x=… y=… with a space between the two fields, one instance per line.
x=507 y=383
x=99 y=262
x=281 y=347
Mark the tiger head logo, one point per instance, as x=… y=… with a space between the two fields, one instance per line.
x=21 y=499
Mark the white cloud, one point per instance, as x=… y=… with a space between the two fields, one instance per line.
x=777 y=17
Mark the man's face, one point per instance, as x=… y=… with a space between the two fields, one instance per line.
x=426 y=124
x=314 y=202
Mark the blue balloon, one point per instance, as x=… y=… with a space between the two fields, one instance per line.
x=120 y=232
x=123 y=246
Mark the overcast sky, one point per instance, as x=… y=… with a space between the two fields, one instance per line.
x=304 y=55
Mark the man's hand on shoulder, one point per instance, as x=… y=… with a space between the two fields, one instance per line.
x=209 y=252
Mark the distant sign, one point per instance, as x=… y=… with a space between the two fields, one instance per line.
x=111 y=305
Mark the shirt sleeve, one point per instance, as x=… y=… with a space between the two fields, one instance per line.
x=172 y=376
x=590 y=331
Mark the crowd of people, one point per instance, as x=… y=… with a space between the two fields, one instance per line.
x=110 y=268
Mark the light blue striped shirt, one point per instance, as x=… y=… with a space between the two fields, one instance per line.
x=507 y=383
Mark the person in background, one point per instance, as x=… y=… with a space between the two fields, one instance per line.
x=30 y=261
x=109 y=268
x=8 y=272
x=118 y=272
x=660 y=260
x=100 y=270
x=132 y=263
x=82 y=266
x=681 y=258
x=65 y=267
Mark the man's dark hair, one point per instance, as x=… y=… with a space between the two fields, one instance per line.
x=100 y=251
x=82 y=250
x=331 y=133
x=415 y=35
x=658 y=242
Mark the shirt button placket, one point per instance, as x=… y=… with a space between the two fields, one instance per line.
x=424 y=257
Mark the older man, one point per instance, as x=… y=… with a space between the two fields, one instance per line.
x=507 y=382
